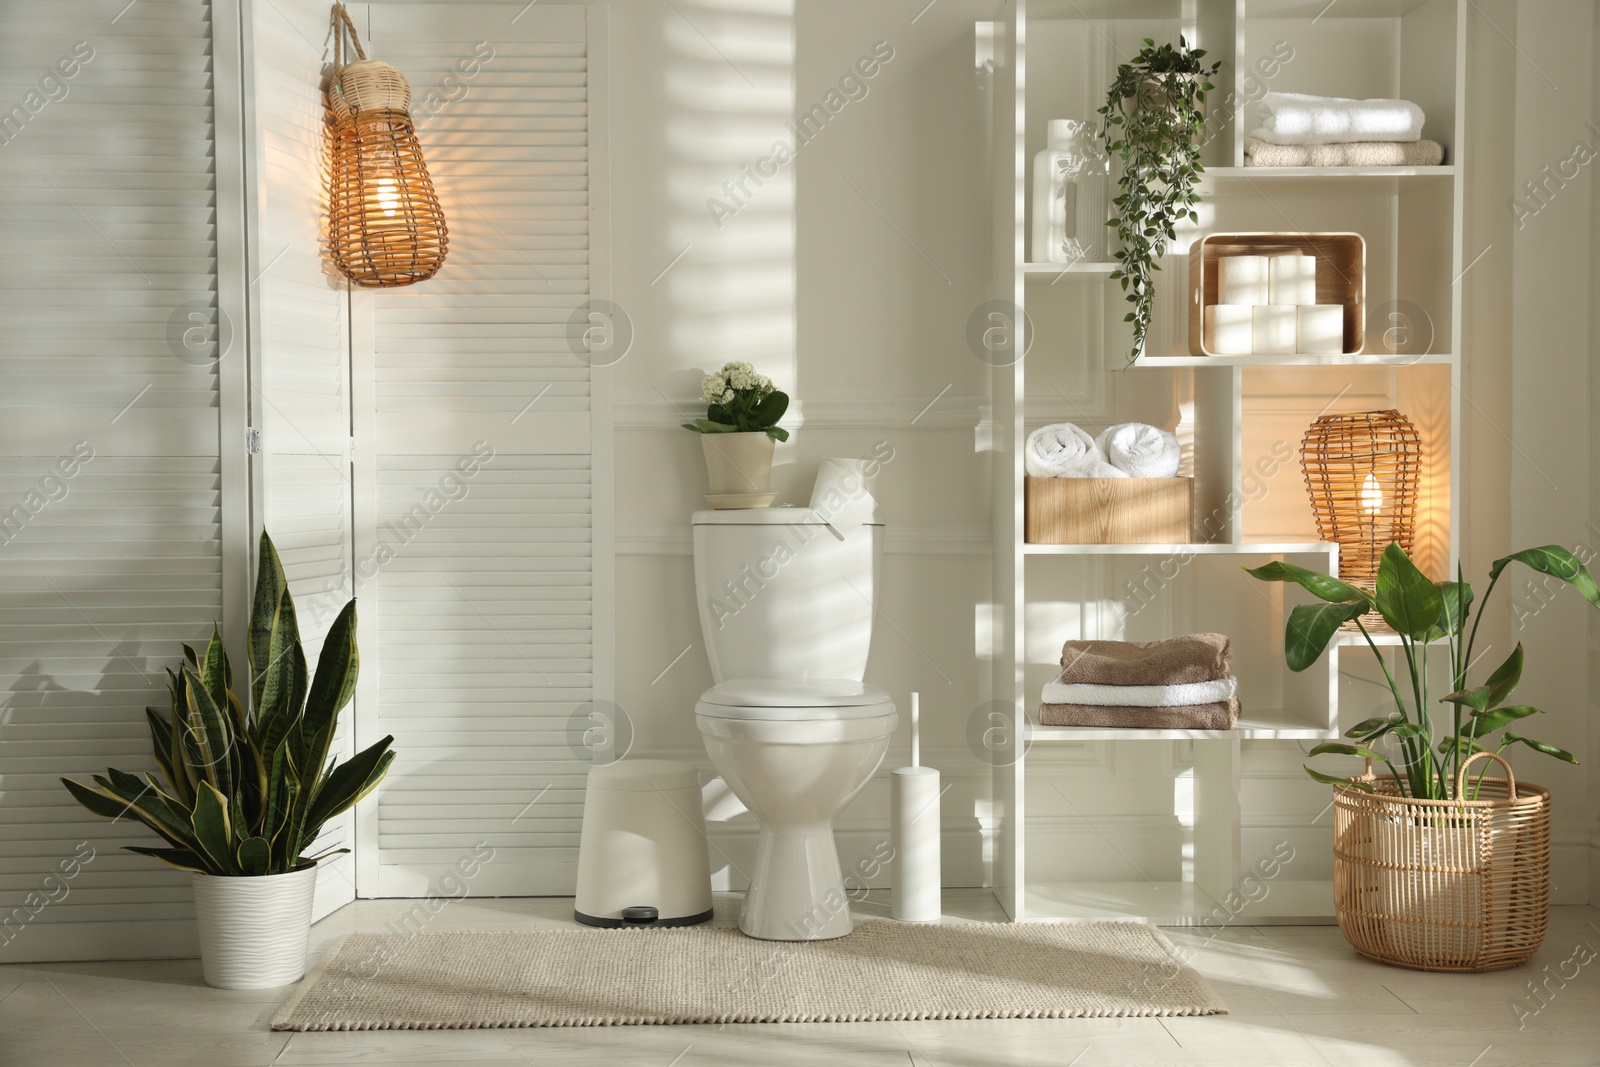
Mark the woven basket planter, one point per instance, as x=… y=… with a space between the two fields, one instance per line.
x=1443 y=885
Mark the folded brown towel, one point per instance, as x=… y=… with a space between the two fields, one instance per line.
x=1220 y=716
x=1352 y=154
x=1175 y=661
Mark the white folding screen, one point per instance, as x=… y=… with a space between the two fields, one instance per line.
x=482 y=505
x=118 y=493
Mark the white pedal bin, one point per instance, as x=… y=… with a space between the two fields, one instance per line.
x=642 y=857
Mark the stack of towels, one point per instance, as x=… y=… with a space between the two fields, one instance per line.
x=1330 y=131
x=1185 y=683
x=1127 y=450
x=1267 y=305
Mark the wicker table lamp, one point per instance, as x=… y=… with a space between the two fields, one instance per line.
x=385 y=226
x=1362 y=471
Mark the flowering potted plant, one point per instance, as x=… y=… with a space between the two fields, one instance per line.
x=738 y=435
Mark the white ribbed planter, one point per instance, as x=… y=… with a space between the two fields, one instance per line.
x=254 y=931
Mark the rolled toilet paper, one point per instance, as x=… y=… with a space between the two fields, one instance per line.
x=1320 y=328
x=914 y=835
x=843 y=496
x=1242 y=280
x=1228 y=329
x=1273 y=329
x=1291 y=280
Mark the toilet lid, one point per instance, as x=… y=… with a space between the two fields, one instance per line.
x=769 y=698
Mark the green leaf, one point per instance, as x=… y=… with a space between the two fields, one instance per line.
x=777 y=433
x=211 y=828
x=181 y=858
x=270 y=588
x=207 y=737
x=1457 y=600
x=1328 y=779
x=1462 y=746
x=1556 y=562
x=1322 y=586
x=1406 y=599
x=96 y=801
x=706 y=426
x=1378 y=724
x=254 y=856
x=1490 y=721
x=1494 y=691
x=770 y=409
x=1540 y=746
x=1310 y=628
x=213 y=670
x=335 y=683
x=1341 y=749
x=347 y=784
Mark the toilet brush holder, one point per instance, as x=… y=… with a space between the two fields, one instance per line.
x=914 y=835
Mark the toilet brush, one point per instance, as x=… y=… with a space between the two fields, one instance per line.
x=914 y=835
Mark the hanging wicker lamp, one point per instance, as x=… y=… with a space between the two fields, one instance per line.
x=1362 y=471
x=385 y=226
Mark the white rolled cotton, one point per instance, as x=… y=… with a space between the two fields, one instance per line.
x=1319 y=328
x=1298 y=118
x=1065 y=450
x=1229 y=329
x=1141 y=451
x=1292 y=279
x=1242 y=280
x=1274 y=328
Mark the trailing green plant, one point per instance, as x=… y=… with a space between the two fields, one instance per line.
x=741 y=401
x=1153 y=118
x=247 y=791
x=1422 y=612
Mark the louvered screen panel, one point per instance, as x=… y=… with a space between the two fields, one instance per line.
x=485 y=618
x=108 y=312
x=304 y=360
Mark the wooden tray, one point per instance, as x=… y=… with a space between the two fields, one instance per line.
x=1108 y=511
x=1341 y=276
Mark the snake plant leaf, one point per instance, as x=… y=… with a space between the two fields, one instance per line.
x=1540 y=746
x=1556 y=562
x=161 y=745
x=212 y=831
x=1406 y=599
x=207 y=737
x=320 y=856
x=1494 y=691
x=143 y=803
x=277 y=702
x=188 y=654
x=106 y=807
x=335 y=683
x=213 y=670
x=1311 y=627
x=181 y=858
x=254 y=856
x=271 y=584
x=1490 y=721
x=1328 y=779
x=1341 y=749
x=1367 y=729
x=349 y=782
x=1322 y=586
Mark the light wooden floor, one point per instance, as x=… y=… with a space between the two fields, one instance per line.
x=1298 y=995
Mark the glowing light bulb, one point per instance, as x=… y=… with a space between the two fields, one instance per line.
x=388 y=196
x=1371 y=495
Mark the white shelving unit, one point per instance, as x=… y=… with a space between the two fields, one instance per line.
x=1240 y=418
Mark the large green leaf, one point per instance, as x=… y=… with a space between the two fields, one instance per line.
x=1540 y=746
x=212 y=831
x=1311 y=627
x=332 y=688
x=1322 y=586
x=1376 y=726
x=213 y=670
x=1328 y=779
x=207 y=736
x=1407 y=600
x=161 y=746
x=1456 y=598
x=1491 y=721
x=147 y=802
x=770 y=410
x=254 y=856
x=181 y=858
x=1494 y=691
x=97 y=802
x=279 y=690
x=1342 y=749
x=1556 y=562
x=271 y=585
x=347 y=784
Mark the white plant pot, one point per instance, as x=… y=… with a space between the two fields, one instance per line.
x=254 y=931
x=738 y=464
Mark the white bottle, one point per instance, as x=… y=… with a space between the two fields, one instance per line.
x=1069 y=195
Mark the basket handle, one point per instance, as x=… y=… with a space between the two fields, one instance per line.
x=342 y=25
x=1461 y=773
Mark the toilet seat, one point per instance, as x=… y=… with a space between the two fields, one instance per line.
x=789 y=700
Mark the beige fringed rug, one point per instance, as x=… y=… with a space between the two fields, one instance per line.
x=702 y=974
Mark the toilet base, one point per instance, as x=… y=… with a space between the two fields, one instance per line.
x=797 y=888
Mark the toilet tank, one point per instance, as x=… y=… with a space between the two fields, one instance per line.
x=783 y=595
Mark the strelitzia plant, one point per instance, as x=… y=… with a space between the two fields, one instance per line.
x=1423 y=612
x=246 y=791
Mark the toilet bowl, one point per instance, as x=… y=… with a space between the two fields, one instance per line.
x=796 y=752
x=786 y=608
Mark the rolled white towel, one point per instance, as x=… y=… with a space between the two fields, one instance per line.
x=1297 y=118
x=1141 y=696
x=1140 y=451
x=1064 y=450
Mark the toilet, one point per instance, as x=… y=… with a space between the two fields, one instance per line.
x=786 y=608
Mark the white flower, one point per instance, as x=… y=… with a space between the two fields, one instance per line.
x=727 y=398
x=740 y=376
x=712 y=386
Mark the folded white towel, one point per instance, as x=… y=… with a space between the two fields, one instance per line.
x=1064 y=450
x=1140 y=451
x=1141 y=696
x=1296 y=118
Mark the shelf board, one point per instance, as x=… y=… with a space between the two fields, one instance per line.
x=1350 y=359
x=1079 y=268
x=1321 y=181
x=1176 y=903
x=1255 y=724
x=1198 y=549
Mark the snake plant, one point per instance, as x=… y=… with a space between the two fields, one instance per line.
x=246 y=792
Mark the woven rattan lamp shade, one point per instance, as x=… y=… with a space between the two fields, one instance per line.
x=1362 y=471
x=385 y=225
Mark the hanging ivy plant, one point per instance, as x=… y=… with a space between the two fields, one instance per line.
x=1153 y=118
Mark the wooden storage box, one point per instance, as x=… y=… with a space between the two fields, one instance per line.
x=1341 y=275
x=1108 y=511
